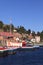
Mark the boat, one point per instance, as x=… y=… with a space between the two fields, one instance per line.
x=28 y=47
x=36 y=46
x=3 y=51
x=12 y=50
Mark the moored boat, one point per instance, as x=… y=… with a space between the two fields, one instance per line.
x=3 y=51
x=12 y=50
x=36 y=46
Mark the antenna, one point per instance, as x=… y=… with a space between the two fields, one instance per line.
x=10 y=24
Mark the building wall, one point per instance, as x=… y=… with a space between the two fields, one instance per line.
x=15 y=44
x=33 y=40
x=37 y=38
x=1 y=37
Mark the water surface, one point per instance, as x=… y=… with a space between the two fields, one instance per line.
x=32 y=57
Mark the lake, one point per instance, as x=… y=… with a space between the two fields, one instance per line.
x=27 y=57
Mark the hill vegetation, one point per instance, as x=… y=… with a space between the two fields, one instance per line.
x=20 y=29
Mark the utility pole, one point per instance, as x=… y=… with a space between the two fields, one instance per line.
x=10 y=25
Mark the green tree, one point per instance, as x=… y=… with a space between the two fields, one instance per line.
x=21 y=29
x=41 y=36
x=33 y=33
x=38 y=33
x=29 y=31
x=6 y=28
x=1 y=25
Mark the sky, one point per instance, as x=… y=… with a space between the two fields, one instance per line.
x=27 y=13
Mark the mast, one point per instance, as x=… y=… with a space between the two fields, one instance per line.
x=10 y=25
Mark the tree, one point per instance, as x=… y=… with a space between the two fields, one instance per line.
x=29 y=31
x=41 y=36
x=38 y=33
x=33 y=33
x=6 y=28
x=21 y=29
x=1 y=24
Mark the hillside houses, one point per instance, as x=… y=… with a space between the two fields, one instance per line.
x=7 y=36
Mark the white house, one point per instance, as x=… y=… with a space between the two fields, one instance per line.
x=37 y=38
x=33 y=40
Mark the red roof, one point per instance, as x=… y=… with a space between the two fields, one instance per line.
x=6 y=34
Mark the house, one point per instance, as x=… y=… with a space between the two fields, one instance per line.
x=17 y=34
x=33 y=40
x=30 y=36
x=4 y=37
x=37 y=38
